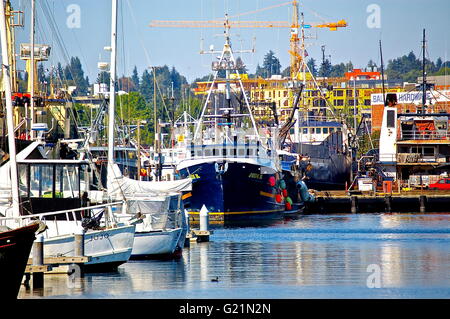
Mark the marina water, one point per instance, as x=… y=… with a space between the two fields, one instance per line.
x=313 y=256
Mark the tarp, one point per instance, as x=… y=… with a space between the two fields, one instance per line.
x=121 y=187
x=425 y=125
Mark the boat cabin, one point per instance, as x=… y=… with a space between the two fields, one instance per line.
x=51 y=185
x=316 y=131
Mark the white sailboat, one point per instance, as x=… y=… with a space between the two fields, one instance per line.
x=151 y=200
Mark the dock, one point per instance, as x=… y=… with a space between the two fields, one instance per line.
x=418 y=201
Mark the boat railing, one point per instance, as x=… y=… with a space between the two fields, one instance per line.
x=407 y=158
x=235 y=150
x=69 y=214
x=424 y=135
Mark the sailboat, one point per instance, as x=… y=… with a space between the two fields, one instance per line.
x=34 y=187
x=154 y=207
x=235 y=169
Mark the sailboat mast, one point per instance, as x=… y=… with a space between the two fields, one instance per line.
x=9 y=112
x=32 y=66
x=112 y=95
x=424 y=74
x=382 y=75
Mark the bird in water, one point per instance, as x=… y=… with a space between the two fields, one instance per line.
x=215 y=279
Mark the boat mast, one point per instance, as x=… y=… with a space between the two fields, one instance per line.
x=112 y=83
x=32 y=66
x=9 y=112
x=424 y=75
x=382 y=75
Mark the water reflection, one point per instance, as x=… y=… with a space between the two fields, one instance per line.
x=309 y=257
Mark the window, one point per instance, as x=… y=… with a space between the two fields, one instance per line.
x=442 y=181
x=207 y=152
x=311 y=130
x=428 y=151
x=340 y=102
x=241 y=152
x=447 y=181
x=331 y=129
x=305 y=130
x=199 y=153
x=391 y=119
x=367 y=102
x=339 y=93
x=318 y=130
x=325 y=130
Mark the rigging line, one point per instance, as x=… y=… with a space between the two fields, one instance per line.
x=147 y=56
x=52 y=24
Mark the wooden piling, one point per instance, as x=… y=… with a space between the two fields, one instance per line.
x=79 y=245
x=387 y=204
x=354 y=203
x=38 y=260
x=422 y=202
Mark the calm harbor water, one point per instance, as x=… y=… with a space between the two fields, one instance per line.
x=310 y=257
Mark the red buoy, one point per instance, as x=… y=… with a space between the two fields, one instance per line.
x=278 y=198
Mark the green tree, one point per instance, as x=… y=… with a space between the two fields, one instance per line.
x=271 y=64
x=135 y=79
x=312 y=66
x=325 y=69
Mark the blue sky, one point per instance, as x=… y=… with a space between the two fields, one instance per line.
x=401 y=24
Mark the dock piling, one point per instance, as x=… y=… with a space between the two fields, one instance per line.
x=354 y=203
x=422 y=201
x=38 y=260
x=387 y=203
x=79 y=245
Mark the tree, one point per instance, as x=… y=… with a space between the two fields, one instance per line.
x=103 y=77
x=312 y=66
x=240 y=66
x=325 y=69
x=371 y=65
x=135 y=79
x=271 y=64
x=146 y=87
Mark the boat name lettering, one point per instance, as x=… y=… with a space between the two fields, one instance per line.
x=100 y=236
x=255 y=175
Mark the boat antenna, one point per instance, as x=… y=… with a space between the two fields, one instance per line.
x=382 y=74
x=424 y=74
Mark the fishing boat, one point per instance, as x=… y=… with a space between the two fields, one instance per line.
x=234 y=168
x=15 y=247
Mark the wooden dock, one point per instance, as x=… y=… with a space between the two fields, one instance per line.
x=417 y=201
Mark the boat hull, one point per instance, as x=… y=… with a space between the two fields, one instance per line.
x=155 y=244
x=15 y=247
x=107 y=248
x=238 y=194
x=329 y=163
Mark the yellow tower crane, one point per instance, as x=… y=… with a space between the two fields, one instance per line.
x=297 y=50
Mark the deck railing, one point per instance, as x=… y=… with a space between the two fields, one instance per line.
x=70 y=214
x=424 y=135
